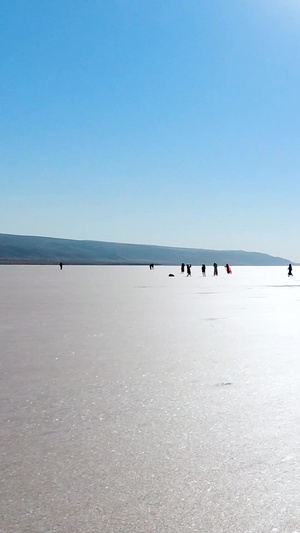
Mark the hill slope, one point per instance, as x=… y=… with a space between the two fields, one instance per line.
x=19 y=249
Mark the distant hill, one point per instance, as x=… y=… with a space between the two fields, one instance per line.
x=20 y=249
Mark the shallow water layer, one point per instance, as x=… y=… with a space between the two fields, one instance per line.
x=137 y=402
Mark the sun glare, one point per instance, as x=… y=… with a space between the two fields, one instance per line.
x=285 y=12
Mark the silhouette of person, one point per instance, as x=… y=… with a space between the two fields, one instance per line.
x=215 y=269
x=290 y=270
x=189 y=270
x=228 y=269
x=182 y=267
x=203 y=269
x=151 y=266
x=60 y=266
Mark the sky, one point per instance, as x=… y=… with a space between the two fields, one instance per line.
x=167 y=122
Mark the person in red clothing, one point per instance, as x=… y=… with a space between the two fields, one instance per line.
x=228 y=269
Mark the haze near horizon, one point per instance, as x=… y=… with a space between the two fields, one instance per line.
x=158 y=123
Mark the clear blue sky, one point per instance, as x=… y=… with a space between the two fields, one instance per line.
x=163 y=122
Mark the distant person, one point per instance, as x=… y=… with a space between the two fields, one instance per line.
x=151 y=266
x=60 y=266
x=228 y=269
x=203 y=270
x=189 y=270
x=182 y=268
x=290 y=270
x=215 y=269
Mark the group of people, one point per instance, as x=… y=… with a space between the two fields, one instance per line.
x=203 y=269
x=188 y=269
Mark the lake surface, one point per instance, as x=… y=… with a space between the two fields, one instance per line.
x=133 y=402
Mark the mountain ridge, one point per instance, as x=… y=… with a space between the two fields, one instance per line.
x=29 y=249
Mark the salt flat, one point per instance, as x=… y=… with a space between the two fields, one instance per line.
x=133 y=402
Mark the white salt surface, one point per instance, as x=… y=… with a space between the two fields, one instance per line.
x=133 y=402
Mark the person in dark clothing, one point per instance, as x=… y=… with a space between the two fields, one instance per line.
x=203 y=269
x=60 y=266
x=290 y=270
x=215 y=269
x=189 y=270
x=182 y=267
